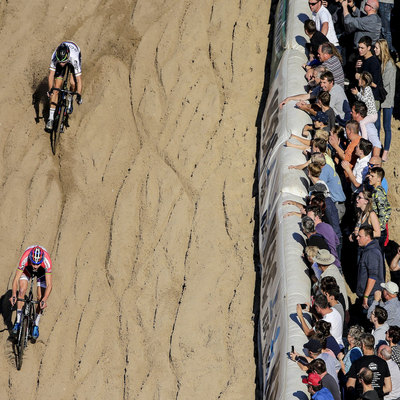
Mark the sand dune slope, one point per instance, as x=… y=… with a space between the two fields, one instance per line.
x=147 y=207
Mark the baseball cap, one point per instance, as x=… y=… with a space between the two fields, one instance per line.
x=313 y=345
x=312 y=379
x=391 y=287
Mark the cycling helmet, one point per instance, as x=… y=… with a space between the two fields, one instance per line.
x=36 y=255
x=62 y=53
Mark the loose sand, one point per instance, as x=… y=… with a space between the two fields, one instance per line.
x=147 y=208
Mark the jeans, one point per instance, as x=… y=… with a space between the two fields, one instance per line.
x=385 y=12
x=387 y=119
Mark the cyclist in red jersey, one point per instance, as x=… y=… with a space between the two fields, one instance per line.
x=35 y=258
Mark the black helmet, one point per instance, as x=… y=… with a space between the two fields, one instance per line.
x=62 y=53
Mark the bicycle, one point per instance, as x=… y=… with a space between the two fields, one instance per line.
x=28 y=318
x=61 y=115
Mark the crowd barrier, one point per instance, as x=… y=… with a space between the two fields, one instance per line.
x=284 y=282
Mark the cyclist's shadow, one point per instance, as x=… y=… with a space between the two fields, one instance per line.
x=6 y=310
x=40 y=97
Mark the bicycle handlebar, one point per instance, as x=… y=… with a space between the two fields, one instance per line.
x=64 y=91
x=25 y=300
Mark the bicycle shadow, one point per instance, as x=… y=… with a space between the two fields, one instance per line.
x=39 y=97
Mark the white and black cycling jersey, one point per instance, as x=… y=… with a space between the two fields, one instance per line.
x=74 y=58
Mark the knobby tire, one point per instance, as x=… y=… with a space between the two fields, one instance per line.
x=21 y=345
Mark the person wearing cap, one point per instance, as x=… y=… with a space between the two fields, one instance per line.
x=387 y=298
x=315 y=351
x=325 y=261
x=385 y=352
x=370 y=266
x=357 y=175
x=315 y=388
x=381 y=380
x=327 y=380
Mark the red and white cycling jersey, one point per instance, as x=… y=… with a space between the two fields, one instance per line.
x=74 y=58
x=24 y=263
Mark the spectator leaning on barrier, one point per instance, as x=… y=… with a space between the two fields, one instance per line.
x=316 y=39
x=339 y=101
x=328 y=381
x=331 y=59
x=315 y=388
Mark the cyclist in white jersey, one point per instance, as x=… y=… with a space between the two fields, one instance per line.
x=67 y=55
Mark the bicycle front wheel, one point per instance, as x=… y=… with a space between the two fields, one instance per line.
x=22 y=342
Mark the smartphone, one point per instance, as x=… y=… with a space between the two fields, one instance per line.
x=303 y=306
x=292 y=349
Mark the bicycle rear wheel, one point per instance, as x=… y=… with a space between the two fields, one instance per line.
x=22 y=342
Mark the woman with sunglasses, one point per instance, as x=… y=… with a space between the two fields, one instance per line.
x=365 y=215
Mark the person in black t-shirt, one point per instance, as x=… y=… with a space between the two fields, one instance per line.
x=316 y=39
x=381 y=380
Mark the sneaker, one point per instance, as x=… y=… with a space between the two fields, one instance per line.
x=15 y=329
x=69 y=104
x=35 y=332
x=49 y=125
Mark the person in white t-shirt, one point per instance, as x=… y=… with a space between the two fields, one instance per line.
x=323 y=20
x=330 y=315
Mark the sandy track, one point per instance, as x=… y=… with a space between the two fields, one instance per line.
x=147 y=208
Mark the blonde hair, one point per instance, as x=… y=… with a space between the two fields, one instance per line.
x=321 y=134
x=384 y=55
x=311 y=251
x=318 y=158
x=367 y=78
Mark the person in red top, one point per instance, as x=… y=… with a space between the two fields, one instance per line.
x=35 y=259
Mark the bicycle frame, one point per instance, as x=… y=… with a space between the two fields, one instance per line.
x=27 y=321
x=61 y=115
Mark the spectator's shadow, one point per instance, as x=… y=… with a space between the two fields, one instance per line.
x=300 y=395
x=39 y=97
x=303 y=17
x=301 y=41
x=299 y=239
x=6 y=310
x=307 y=317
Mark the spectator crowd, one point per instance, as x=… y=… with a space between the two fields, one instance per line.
x=352 y=348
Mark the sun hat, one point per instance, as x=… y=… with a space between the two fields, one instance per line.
x=324 y=257
x=391 y=287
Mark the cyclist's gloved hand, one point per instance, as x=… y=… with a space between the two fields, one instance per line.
x=79 y=99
